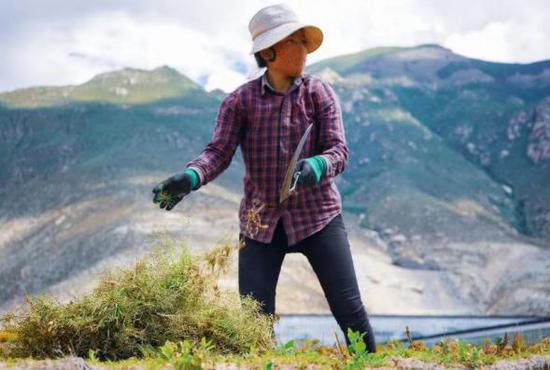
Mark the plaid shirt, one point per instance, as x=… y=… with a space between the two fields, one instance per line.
x=268 y=126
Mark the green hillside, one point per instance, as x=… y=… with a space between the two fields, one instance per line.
x=468 y=106
x=127 y=86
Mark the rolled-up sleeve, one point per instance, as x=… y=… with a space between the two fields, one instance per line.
x=332 y=138
x=219 y=151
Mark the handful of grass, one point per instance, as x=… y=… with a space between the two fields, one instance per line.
x=164 y=196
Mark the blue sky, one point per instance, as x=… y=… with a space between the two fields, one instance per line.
x=67 y=42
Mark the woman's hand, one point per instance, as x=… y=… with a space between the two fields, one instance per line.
x=172 y=190
x=307 y=174
x=310 y=170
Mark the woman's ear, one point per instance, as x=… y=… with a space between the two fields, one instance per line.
x=268 y=54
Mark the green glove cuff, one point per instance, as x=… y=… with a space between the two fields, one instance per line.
x=194 y=178
x=319 y=166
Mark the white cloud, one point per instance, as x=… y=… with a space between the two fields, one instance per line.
x=490 y=43
x=65 y=42
x=58 y=54
x=521 y=39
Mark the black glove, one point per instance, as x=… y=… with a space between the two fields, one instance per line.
x=307 y=175
x=172 y=190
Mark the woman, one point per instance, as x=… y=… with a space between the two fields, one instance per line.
x=267 y=116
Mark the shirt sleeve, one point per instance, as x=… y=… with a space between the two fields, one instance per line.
x=332 y=138
x=219 y=151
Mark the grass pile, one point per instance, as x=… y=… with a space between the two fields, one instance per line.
x=170 y=295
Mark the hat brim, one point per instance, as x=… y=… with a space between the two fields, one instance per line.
x=313 y=34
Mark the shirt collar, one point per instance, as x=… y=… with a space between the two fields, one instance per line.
x=297 y=81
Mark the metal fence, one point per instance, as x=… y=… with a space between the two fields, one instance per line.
x=431 y=329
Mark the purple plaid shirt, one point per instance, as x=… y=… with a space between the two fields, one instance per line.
x=268 y=126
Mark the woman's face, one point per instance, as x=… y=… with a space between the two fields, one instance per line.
x=291 y=54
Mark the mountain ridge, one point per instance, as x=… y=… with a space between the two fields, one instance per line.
x=128 y=75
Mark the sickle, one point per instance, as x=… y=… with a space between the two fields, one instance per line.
x=286 y=189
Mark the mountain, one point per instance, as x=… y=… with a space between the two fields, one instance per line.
x=451 y=155
x=494 y=115
x=445 y=197
x=127 y=86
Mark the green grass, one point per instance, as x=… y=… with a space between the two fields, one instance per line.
x=186 y=354
x=449 y=353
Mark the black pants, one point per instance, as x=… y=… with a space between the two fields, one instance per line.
x=329 y=254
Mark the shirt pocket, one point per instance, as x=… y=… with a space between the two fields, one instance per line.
x=303 y=111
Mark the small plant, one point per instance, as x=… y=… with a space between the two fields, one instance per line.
x=357 y=349
x=92 y=355
x=488 y=348
x=518 y=343
x=286 y=348
x=181 y=355
x=469 y=354
x=357 y=346
x=541 y=347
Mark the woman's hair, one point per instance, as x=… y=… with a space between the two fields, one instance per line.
x=259 y=60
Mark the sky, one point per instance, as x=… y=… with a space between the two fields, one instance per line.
x=68 y=42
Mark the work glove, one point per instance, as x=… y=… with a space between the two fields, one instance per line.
x=172 y=190
x=311 y=170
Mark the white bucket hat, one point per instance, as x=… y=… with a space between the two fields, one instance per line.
x=275 y=22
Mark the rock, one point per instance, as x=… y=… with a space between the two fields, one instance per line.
x=534 y=363
x=538 y=148
x=66 y=363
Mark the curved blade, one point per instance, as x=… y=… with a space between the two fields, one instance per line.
x=285 y=190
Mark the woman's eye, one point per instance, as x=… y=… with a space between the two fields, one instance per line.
x=297 y=41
